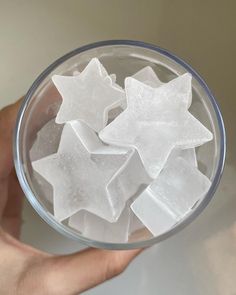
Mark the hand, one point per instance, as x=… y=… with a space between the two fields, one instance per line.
x=25 y=270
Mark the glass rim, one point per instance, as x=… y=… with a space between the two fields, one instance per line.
x=70 y=233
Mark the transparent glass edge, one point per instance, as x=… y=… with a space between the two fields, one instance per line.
x=60 y=227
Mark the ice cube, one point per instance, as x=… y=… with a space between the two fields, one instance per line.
x=96 y=228
x=117 y=110
x=46 y=143
x=104 y=74
x=84 y=168
x=131 y=178
x=153 y=214
x=188 y=154
x=148 y=76
x=156 y=121
x=47 y=140
x=180 y=186
x=171 y=196
x=88 y=96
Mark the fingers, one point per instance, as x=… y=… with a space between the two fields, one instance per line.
x=11 y=216
x=3 y=195
x=68 y=275
x=9 y=189
x=7 y=123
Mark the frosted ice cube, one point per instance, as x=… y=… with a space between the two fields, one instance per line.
x=188 y=154
x=153 y=214
x=172 y=195
x=96 y=228
x=122 y=105
x=148 y=76
x=180 y=186
x=117 y=110
x=131 y=178
x=88 y=96
x=46 y=143
x=104 y=74
x=43 y=188
x=156 y=121
x=47 y=140
x=84 y=168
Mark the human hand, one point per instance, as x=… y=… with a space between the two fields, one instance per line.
x=25 y=270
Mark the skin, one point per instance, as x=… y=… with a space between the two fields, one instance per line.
x=26 y=270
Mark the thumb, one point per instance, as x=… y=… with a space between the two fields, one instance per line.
x=30 y=271
x=72 y=274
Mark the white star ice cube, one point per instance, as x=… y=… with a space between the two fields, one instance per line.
x=104 y=74
x=88 y=96
x=148 y=76
x=85 y=173
x=156 y=121
x=171 y=196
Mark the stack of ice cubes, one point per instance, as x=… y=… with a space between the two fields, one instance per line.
x=120 y=160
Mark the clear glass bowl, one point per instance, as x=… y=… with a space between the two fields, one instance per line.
x=123 y=58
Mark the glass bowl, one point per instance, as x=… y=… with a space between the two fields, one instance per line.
x=123 y=58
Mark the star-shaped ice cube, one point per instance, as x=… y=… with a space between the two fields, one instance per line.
x=104 y=74
x=88 y=96
x=86 y=174
x=148 y=77
x=155 y=121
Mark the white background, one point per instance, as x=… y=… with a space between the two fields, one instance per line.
x=201 y=260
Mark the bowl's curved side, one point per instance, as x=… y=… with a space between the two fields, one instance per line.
x=48 y=217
